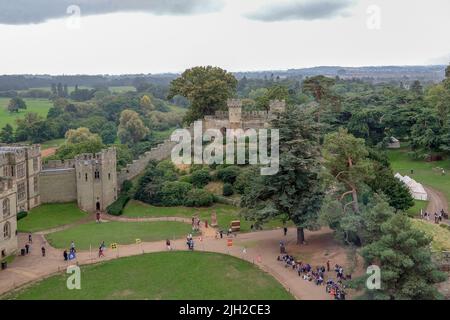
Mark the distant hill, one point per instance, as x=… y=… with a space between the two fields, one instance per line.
x=425 y=74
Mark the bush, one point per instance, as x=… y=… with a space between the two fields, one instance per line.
x=116 y=208
x=21 y=215
x=199 y=198
x=200 y=178
x=228 y=174
x=244 y=180
x=174 y=193
x=127 y=185
x=227 y=189
x=186 y=178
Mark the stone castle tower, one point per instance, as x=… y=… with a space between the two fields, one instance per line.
x=96 y=180
x=234 y=113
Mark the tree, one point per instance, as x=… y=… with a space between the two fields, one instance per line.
x=207 y=89
x=15 y=104
x=320 y=88
x=403 y=255
x=417 y=88
x=7 y=134
x=295 y=193
x=81 y=135
x=108 y=133
x=438 y=97
x=131 y=128
x=346 y=159
x=146 y=103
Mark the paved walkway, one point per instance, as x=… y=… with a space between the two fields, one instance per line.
x=34 y=267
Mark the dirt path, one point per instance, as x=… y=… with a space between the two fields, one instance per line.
x=436 y=202
x=261 y=248
x=48 y=152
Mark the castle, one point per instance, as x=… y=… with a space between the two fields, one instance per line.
x=19 y=190
x=90 y=179
x=235 y=118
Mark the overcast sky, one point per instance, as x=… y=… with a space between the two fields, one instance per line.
x=154 y=36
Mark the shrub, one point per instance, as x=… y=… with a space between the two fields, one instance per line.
x=227 y=189
x=228 y=174
x=199 y=198
x=21 y=215
x=116 y=208
x=200 y=178
x=126 y=186
x=174 y=193
x=186 y=178
x=244 y=180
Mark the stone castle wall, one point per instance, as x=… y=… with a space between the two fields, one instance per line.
x=58 y=185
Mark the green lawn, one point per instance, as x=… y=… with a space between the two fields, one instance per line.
x=163 y=276
x=49 y=216
x=39 y=106
x=414 y=212
x=92 y=233
x=52 y=143
x=424 y=172
x=441 y=236
x=225 y=214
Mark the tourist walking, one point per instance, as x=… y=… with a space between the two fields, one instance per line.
x=168 y=245
x=30 y=239
x=72 y=246
x=65 y=255
x=285 y=230
x=43 y=251
x=98 y=216
x=100 y=251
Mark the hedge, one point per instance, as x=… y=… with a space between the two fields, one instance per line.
x=21 y=215
x=116 y=208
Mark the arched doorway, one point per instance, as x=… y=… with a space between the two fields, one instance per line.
x=97 y=206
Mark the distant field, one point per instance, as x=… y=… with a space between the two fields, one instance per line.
x=117 y=89
x=427 y=173
x=40 y=106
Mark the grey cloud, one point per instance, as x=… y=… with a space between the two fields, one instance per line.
x=18 y=12
x=302 y=10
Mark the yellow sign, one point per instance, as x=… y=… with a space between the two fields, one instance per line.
x=113 y=245
x=138 y=241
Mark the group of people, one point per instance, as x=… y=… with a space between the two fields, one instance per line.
x=438 y=216
x=71 y=254
x=29 y=243
x=190 y=242
x=317 y=275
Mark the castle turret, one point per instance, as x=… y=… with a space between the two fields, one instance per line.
x=235 y=113
x=277 y=106
x=96 y=180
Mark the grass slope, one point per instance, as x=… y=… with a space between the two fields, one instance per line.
x=225 y=214
x=164 y=276
x=424 y=172
x=49 y=216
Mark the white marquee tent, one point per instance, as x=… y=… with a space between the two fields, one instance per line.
x=416 y=189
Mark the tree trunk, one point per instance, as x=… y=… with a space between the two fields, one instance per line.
x=355 y=201
x=300 y=235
